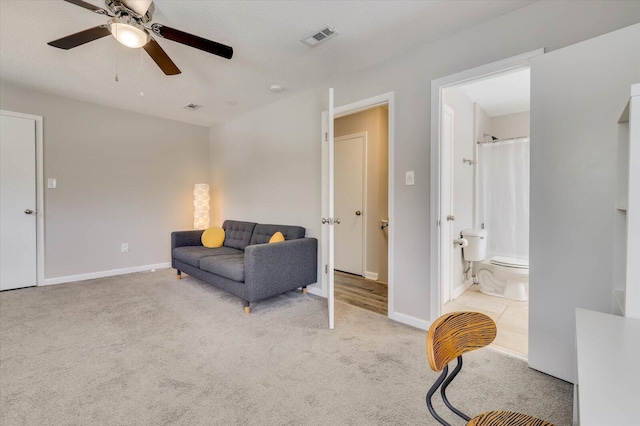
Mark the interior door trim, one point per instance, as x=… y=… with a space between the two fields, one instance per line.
x=437 y=86
x=388 y=99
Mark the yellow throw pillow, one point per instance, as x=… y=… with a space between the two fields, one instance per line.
x=213 y=237
x=276 y=238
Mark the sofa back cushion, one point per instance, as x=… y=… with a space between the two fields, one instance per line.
x=262 y=233
x=237 y=234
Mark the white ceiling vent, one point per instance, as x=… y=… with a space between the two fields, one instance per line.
x=320 y=36
x=192 y=107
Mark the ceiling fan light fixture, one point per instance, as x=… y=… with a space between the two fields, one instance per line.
x=128 y=32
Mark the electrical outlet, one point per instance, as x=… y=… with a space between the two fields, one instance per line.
x=124 y=248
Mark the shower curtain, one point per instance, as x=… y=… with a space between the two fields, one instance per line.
x=503 y=199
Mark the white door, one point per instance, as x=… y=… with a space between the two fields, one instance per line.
x=446 y=202
x=17 y=202
x=349 y=172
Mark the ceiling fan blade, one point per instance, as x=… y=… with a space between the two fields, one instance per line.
x=161 y=58
x=89 y=6
x=82 y=37
x=193 y=40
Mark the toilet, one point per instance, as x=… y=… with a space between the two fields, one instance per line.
x=500 y=276
x=504 y=276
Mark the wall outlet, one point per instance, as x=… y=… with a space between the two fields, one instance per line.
x=124 y=248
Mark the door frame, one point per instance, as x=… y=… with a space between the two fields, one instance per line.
x=39 y=190
x=365 y=171
x=352 y=108
x=446 y=288
x=437 y=87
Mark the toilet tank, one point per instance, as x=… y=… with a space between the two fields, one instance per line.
x=476 y=251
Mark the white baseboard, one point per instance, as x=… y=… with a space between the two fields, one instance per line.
x=412 y=321
x=102 y=274
x=371 y=275
x=461 y=288
x=315 y=290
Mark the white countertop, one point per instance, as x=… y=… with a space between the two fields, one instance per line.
x=608 y=369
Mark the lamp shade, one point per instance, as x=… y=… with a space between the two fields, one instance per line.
x=128 y=32
x=201 y=206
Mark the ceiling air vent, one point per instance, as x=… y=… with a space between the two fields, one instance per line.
x=192 y=107
x=320 y=36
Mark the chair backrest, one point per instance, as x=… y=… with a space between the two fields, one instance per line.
x=456 y=333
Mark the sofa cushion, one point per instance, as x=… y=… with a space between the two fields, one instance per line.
x=237 y=234
x=191 y=255
x=263 y=233
x=212 y=237
x=276 y=238
x=229 y=266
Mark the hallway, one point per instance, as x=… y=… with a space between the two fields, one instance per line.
x=361 y=292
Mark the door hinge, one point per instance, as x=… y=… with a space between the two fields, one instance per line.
x=326 y=269
x=438 y=222
x=326 y=137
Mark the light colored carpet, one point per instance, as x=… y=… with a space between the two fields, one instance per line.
x=146 y=349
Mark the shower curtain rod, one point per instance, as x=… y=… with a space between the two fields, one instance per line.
x=496 y=140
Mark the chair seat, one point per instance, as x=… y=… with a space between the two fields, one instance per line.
x=506 y=418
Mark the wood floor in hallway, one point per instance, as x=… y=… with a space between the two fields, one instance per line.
x=361 y=292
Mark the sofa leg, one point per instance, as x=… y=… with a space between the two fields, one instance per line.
x=179 y=275
x=247 y=307
x=304 y=290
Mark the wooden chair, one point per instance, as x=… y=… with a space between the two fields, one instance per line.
x=448 y=338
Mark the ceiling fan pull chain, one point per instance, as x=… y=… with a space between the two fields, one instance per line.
x=140 y=74
x=116 y=59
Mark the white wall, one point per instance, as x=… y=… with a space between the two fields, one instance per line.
x=510 y=125
x=463 y=176
x=294 y=123
x=265 y=165
x=122 y=177
x=577 y=96
x=375 y=122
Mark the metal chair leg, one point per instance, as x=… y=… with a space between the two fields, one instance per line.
x=433 y=390
x=446 y=383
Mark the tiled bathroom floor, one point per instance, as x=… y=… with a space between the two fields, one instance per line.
x=512 y=318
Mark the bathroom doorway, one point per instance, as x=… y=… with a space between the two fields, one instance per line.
x=361 y=176
x=484 y=202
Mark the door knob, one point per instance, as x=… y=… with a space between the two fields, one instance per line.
x=358 y=213
x=325 y=220
x=451 y=217
x=28 y=211
x=337 y=221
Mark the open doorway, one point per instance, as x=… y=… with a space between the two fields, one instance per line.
x=484 y=202
x=361 y=176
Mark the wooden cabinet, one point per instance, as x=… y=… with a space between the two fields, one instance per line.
x=626 y=249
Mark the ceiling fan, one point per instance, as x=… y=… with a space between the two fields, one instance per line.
x=129 y=25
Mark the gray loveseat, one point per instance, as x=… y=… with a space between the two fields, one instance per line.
x=246 y=265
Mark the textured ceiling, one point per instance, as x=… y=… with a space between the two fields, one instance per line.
x=264 y=34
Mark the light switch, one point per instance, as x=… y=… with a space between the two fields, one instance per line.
x=52 y=183
x=409 y=178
